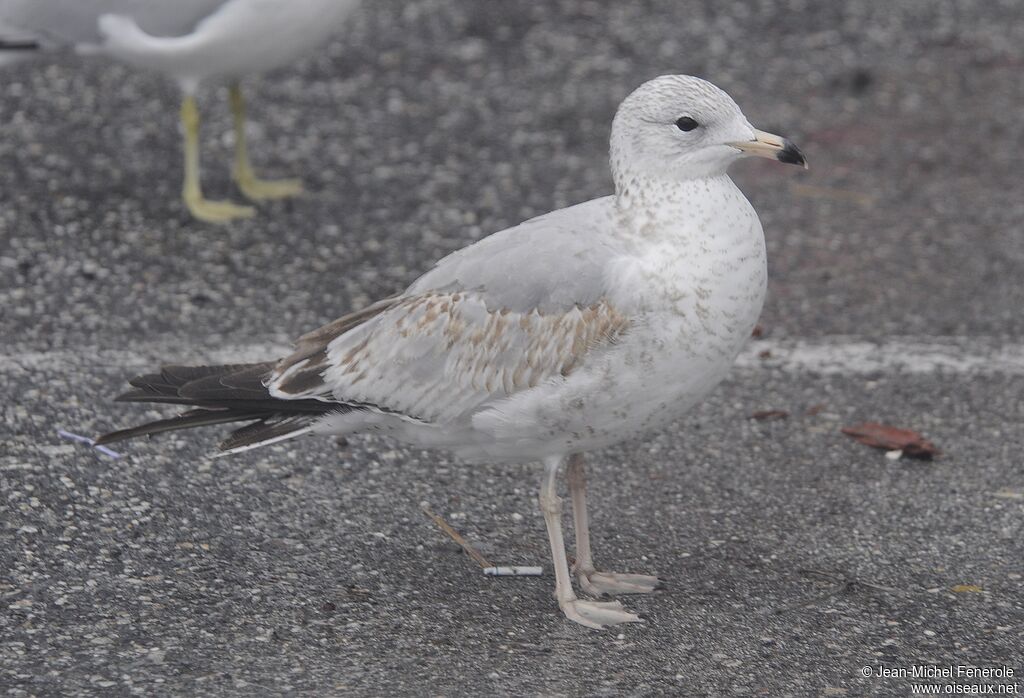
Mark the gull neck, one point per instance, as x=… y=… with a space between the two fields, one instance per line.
x=644 y=195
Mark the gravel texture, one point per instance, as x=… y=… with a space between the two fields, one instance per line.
x=795 y=556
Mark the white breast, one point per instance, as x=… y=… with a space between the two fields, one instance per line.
x=693 y=287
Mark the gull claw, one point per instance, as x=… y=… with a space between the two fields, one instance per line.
x=265 y=189
x=212 y=211
x=610 y=583
x=597 y=614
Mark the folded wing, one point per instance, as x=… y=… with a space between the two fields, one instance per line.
x=521 y=307
x=436 y=356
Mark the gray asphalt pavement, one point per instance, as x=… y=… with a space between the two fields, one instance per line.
x=795 y=557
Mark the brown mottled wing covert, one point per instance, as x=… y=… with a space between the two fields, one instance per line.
x=433 y=356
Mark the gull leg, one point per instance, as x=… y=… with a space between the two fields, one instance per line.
x=593 y=582
x=593 y=614
x=198 y=205
x=254 y=188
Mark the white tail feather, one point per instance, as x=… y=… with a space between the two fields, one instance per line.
x=267 y=442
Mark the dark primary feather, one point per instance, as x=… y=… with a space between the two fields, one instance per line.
x=18 y=44
x=186 y=420
x=220 y=395
x=236 y=393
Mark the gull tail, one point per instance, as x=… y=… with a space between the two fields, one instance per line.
x=122 y=34
x=222 y=395
x=124 y=38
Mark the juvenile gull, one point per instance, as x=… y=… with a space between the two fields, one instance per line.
x=570 y=332
x=192 y=41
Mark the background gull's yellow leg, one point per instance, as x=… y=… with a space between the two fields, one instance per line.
x=200 y=207
x=254 y=188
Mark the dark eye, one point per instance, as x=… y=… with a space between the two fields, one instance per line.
x=685 y=123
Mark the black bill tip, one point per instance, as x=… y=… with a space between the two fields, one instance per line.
x=790 y=154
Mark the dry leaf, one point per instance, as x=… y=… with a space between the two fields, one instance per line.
x=961 y=588
x=889 y=438
x=765 y=415
x=758 y=332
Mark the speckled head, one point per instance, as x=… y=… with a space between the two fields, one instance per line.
x=682 y=127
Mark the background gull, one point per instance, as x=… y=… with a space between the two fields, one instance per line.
x=570 y=332
x=192 y=41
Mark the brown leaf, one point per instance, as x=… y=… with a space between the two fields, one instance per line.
x=765 y=415
x=764 y=354
x=815 y=409
x=889 y=438
x=758 y=332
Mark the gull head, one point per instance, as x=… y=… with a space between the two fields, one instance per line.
x=680 y=127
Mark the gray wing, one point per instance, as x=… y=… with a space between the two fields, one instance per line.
x=548 y=263
x=522 y=307
x=13 y=34
x=74 y=21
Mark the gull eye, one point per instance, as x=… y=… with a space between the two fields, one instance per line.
x=685 y=123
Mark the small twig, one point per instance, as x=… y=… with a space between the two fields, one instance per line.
x=843 y=585
x=813 y=600
x=470 y=550
x=850 y=582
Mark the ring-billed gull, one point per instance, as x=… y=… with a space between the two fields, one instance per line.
x=570 y=332
x=192 y=41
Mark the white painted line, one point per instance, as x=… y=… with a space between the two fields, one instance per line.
x=141 y=357
x=834 y=355
x=846 y=355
